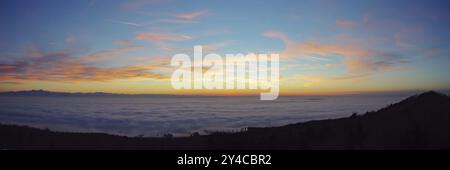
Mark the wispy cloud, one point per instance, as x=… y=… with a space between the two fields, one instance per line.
x=158 y=37
x=276 y=35
x=5 y=66
x=91 y=4
x=344 y=23
x=192 y=15
x=71 y=40
x=214 y=46
x=124 y=43
x=109 y=54
x=178 y=21
x=406 y=37
x=186 y=18
x=366 y=18
x=126 y=23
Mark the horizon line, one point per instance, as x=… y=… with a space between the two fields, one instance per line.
x=345 y=93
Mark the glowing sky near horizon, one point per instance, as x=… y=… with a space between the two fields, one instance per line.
x=326 y=46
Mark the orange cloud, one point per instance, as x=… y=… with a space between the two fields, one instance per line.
x=83 y=73
x=62 y=67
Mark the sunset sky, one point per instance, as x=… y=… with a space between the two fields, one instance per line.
x=325 y=46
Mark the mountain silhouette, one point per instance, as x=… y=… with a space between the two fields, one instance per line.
x=418 y=122
x=43 y=93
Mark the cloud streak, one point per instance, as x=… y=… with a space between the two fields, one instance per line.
x=126 y=23
x=179 y=21
x=186 y=18
x=158 y=37
x=192 y=15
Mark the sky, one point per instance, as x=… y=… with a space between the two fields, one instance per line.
x=325 y=46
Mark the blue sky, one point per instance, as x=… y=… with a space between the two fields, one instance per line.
x=326 y=46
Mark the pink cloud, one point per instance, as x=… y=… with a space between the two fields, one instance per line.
x=276 y=35
x=344 y=23
x=186 y=18
x=406 y=37
x=366 y=18
x=356 y=59
x=5 y=66
x=71 y=40
x=134 y=24
x=179 y=21
x=109 y=54
x=214 y=46
x=161 y=37
x=192 y=15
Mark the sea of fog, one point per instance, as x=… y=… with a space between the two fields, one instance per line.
x=155 y=116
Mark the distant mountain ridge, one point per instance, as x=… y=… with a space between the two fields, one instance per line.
x=51 y=93
x=55 y=93
x=418 y=122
